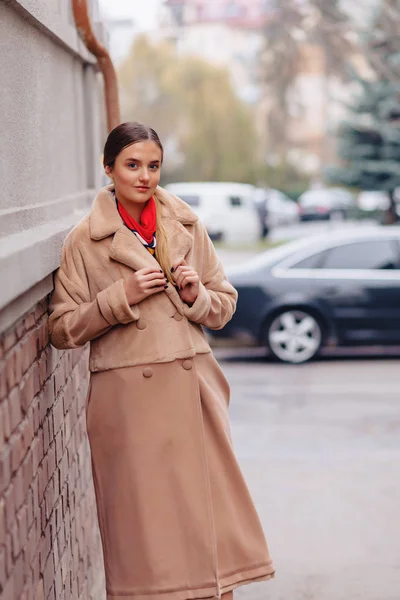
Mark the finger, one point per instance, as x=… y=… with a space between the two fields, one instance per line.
x=177 y=265
x=189 y=273
x=147 y=270
x=155 y=290
x=153 y=277
x=190 y=280
x=151 y=284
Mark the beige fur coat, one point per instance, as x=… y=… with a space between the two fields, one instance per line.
x=89 y=301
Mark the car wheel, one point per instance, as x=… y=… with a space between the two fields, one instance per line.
x=294 y=336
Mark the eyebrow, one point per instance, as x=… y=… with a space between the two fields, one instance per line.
x=156 y=160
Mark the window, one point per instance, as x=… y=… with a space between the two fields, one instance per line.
x=235 y=201
x=191 y=200
x=314 y=261
x=373 y=254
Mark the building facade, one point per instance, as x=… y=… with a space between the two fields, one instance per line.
x=50 y=147
x=228 y=33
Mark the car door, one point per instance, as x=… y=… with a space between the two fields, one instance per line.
x=360 y=283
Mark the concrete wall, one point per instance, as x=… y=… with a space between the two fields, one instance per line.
x=51 y=110
x=49 y=141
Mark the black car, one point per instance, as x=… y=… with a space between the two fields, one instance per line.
x=339 y=289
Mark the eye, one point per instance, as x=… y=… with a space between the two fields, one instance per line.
x=132 y=165
x=154 y=167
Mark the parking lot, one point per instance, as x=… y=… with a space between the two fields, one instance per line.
x=319 y=445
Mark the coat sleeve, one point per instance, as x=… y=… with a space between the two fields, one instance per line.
x=216 y=302
x=75 y=319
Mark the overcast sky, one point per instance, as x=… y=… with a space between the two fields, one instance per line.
x=142 y=11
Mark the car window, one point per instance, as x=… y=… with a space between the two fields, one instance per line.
x=191 y=200
x=235 y=201
x=373 y=254
x=314 y=261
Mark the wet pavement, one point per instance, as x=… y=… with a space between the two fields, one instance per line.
x=319 y=445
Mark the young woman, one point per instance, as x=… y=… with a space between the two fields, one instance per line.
x=138 y=279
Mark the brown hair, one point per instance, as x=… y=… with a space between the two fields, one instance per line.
x=119 y=138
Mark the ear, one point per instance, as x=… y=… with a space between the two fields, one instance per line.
x=108 y=171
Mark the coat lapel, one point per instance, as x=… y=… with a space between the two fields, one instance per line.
x=128 y=250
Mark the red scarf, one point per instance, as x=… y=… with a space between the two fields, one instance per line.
x=148 y=220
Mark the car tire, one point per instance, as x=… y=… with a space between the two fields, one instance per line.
x=294 y=335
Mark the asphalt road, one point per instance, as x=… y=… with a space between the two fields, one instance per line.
x=319 y=445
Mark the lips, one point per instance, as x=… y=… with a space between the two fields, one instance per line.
x=142 y=188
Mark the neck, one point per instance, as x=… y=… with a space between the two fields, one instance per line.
x=134 y=209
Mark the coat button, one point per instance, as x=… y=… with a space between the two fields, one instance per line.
x=148 y=372
x=178 y=316
x=141 y=324
x=187 y=365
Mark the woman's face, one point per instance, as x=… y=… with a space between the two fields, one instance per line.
x=136 y=172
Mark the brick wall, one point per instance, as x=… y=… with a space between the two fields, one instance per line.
x=49 y=542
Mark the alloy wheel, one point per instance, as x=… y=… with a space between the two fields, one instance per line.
x=294 y=336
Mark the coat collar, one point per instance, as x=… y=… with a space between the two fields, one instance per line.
x=105 y=220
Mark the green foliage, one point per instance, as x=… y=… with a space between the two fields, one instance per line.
x=320 y=24
x=369 y=141
x=208 y=133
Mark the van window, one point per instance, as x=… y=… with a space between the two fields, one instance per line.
x=235 y=201
x=191 y=200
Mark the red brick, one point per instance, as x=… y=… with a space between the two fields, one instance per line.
x=51 y=460
x=18 y=364
x=36 y=413
x=27 y=471
x=43 y=373
x=43 y=336
x=46 y=435
x=58 y=414
x=10 y=371
x=2 y=524
x=48 y=575
x=6 y=419
x=20 y=328
x=15 y=540
x=29 y=321
x=17 y=450
x=40 y=310
x=3 y=575
x=27 y=390
x=19 y=575
x=36 y=379
x=3 y=379
x=28 y=350
x=14 y=406
x=22 y=518
x=18 y=487
x=5 y=468
x=2 y=432
x=27 y=432
x=9 y=340
x=39 y=592
x=9 y=590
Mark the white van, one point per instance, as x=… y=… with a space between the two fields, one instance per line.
x=226 y=209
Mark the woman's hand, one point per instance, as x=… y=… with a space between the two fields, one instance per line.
x=187 y=281
x=144 y=283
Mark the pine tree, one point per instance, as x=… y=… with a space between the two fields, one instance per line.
x=369 y=141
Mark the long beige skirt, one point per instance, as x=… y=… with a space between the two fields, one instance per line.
x=176 y=518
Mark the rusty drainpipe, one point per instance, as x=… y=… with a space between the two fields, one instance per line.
x=84 y=27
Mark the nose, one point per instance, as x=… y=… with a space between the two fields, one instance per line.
x=144 y=175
